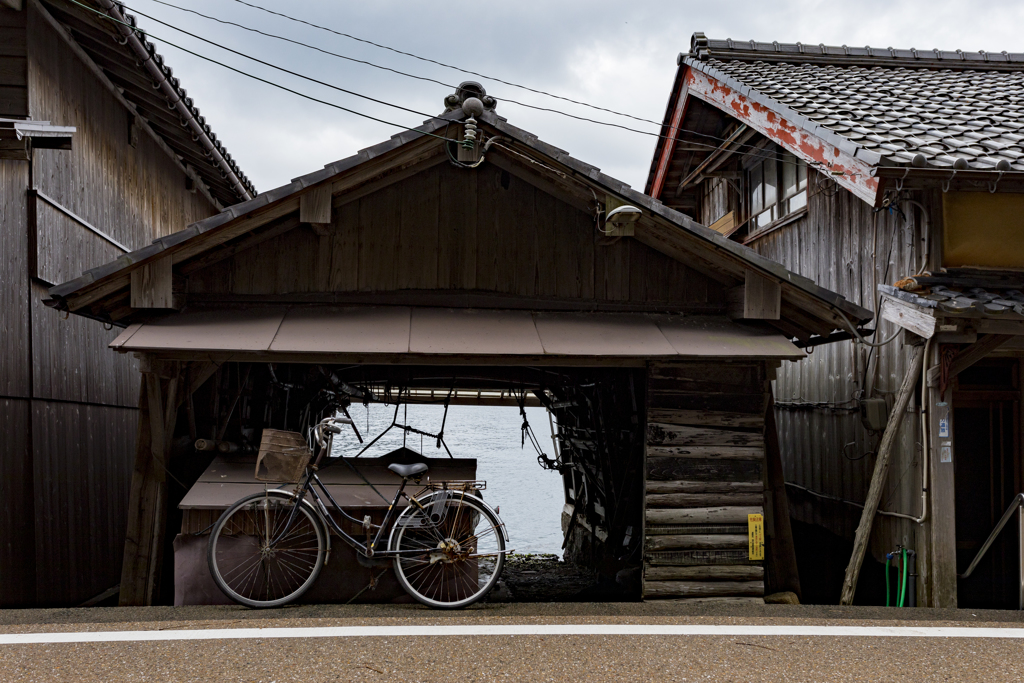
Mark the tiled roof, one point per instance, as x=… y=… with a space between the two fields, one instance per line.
x=964 y=292
x=925 y=109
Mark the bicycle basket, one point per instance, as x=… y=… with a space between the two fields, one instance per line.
x=283 y=456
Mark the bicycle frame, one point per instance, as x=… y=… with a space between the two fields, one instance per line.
x=362 y=548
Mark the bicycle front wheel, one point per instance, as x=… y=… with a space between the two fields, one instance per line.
x=257 y=559
x=455 y=562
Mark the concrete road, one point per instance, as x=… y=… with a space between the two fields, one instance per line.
x=514 y=642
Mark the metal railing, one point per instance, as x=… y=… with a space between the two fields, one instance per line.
x=1018 y=505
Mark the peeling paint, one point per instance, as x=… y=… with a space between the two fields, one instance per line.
x=848 y=171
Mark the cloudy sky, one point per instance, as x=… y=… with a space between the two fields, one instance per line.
x=617 y=55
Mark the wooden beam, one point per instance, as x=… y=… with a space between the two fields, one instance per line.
x=758 y=298
x=152 y=285
x=141 y=569
x=715 y=515
x=668 y=149
x=699 y=573
x=315 y=205
x=889 y=437
x=697 y=542
x=969 y=356
x=654 y=589
x=908 y=316
x=780 y=550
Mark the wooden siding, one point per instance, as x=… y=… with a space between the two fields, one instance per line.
x=844 y=246
x=17 y=540
x=57 y=370
x=14 y=290
x=13 y=64
x=135 y=194
x=83 y=456
x=446 y=228
x=64 y=248
x=718 y=198
x=705 y=469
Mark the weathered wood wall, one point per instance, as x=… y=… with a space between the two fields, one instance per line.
x=135 y=194
x=705 y=469
x=446 y=228
x=68 y=405
x=844 y=246
x=13 y=70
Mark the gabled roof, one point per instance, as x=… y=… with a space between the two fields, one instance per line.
x=820 y=311
x=143 y=79
x=874 y=108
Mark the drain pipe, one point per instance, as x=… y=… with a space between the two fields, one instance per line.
x=173 y=97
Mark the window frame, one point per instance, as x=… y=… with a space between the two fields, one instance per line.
x=784 y=207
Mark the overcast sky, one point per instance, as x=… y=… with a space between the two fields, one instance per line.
x=618 y=55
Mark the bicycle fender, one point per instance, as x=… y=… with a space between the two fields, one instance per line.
x=319 y=514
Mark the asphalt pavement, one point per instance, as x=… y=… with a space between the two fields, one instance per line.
x=654 y=641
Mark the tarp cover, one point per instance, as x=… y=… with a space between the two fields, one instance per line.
x=400 y=330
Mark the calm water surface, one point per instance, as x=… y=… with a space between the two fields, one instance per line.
x=530 y=497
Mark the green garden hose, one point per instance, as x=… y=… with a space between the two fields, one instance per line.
x=903 y=590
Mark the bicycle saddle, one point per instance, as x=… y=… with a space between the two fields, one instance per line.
x=406 y=471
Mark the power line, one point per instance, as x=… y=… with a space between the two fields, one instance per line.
x=280 y=68
x=144 y=34
x=329 y=85
x=384 y=68
x=447 y=66
x=758 y=152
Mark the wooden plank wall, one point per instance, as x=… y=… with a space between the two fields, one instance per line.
x=705 y=468
x=448 y=228
x=717 y=199
x=17 y=540
x=82 y=469
x=13 y=64
x=67 y=403
x=844 y=246
x=135 y=194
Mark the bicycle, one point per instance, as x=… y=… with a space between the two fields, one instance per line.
x=447 y=545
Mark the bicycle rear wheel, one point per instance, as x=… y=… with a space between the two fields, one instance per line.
x=453 y=563
x=253 y=570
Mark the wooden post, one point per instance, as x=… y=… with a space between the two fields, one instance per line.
x=942 y=493
x=867 y=518
x=147 y=515
x=783 y=574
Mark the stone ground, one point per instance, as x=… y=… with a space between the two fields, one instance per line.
x=512 y=657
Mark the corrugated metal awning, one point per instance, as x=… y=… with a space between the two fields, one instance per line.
x=398 y=330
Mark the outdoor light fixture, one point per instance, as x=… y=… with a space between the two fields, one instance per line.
x=620 y=221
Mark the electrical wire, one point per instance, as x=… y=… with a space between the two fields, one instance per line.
x=281 y=68
x=144 y=34
x=447 y=66
x=757 y=151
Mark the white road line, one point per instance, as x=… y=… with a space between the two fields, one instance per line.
x=513 y=630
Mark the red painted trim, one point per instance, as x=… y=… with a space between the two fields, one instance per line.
x=852 y=173
x=669 y=148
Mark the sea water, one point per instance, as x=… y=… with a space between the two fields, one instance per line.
x=530 y=497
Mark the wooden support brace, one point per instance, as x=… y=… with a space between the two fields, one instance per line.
x=315 y=208
x=152 y=285
x=783 y=573
x=969 y=356
x=759 y=298
x=867 y=518
x=147 y=513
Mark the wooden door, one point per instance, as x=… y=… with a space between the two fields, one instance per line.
x=987 y=443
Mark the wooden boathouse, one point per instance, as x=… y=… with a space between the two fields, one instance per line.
x=468 y=258
x=894 y=177
x=101 y=152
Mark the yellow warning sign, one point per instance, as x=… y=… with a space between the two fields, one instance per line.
x=755 y=536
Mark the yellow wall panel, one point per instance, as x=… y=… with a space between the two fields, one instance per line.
x=983 y=229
